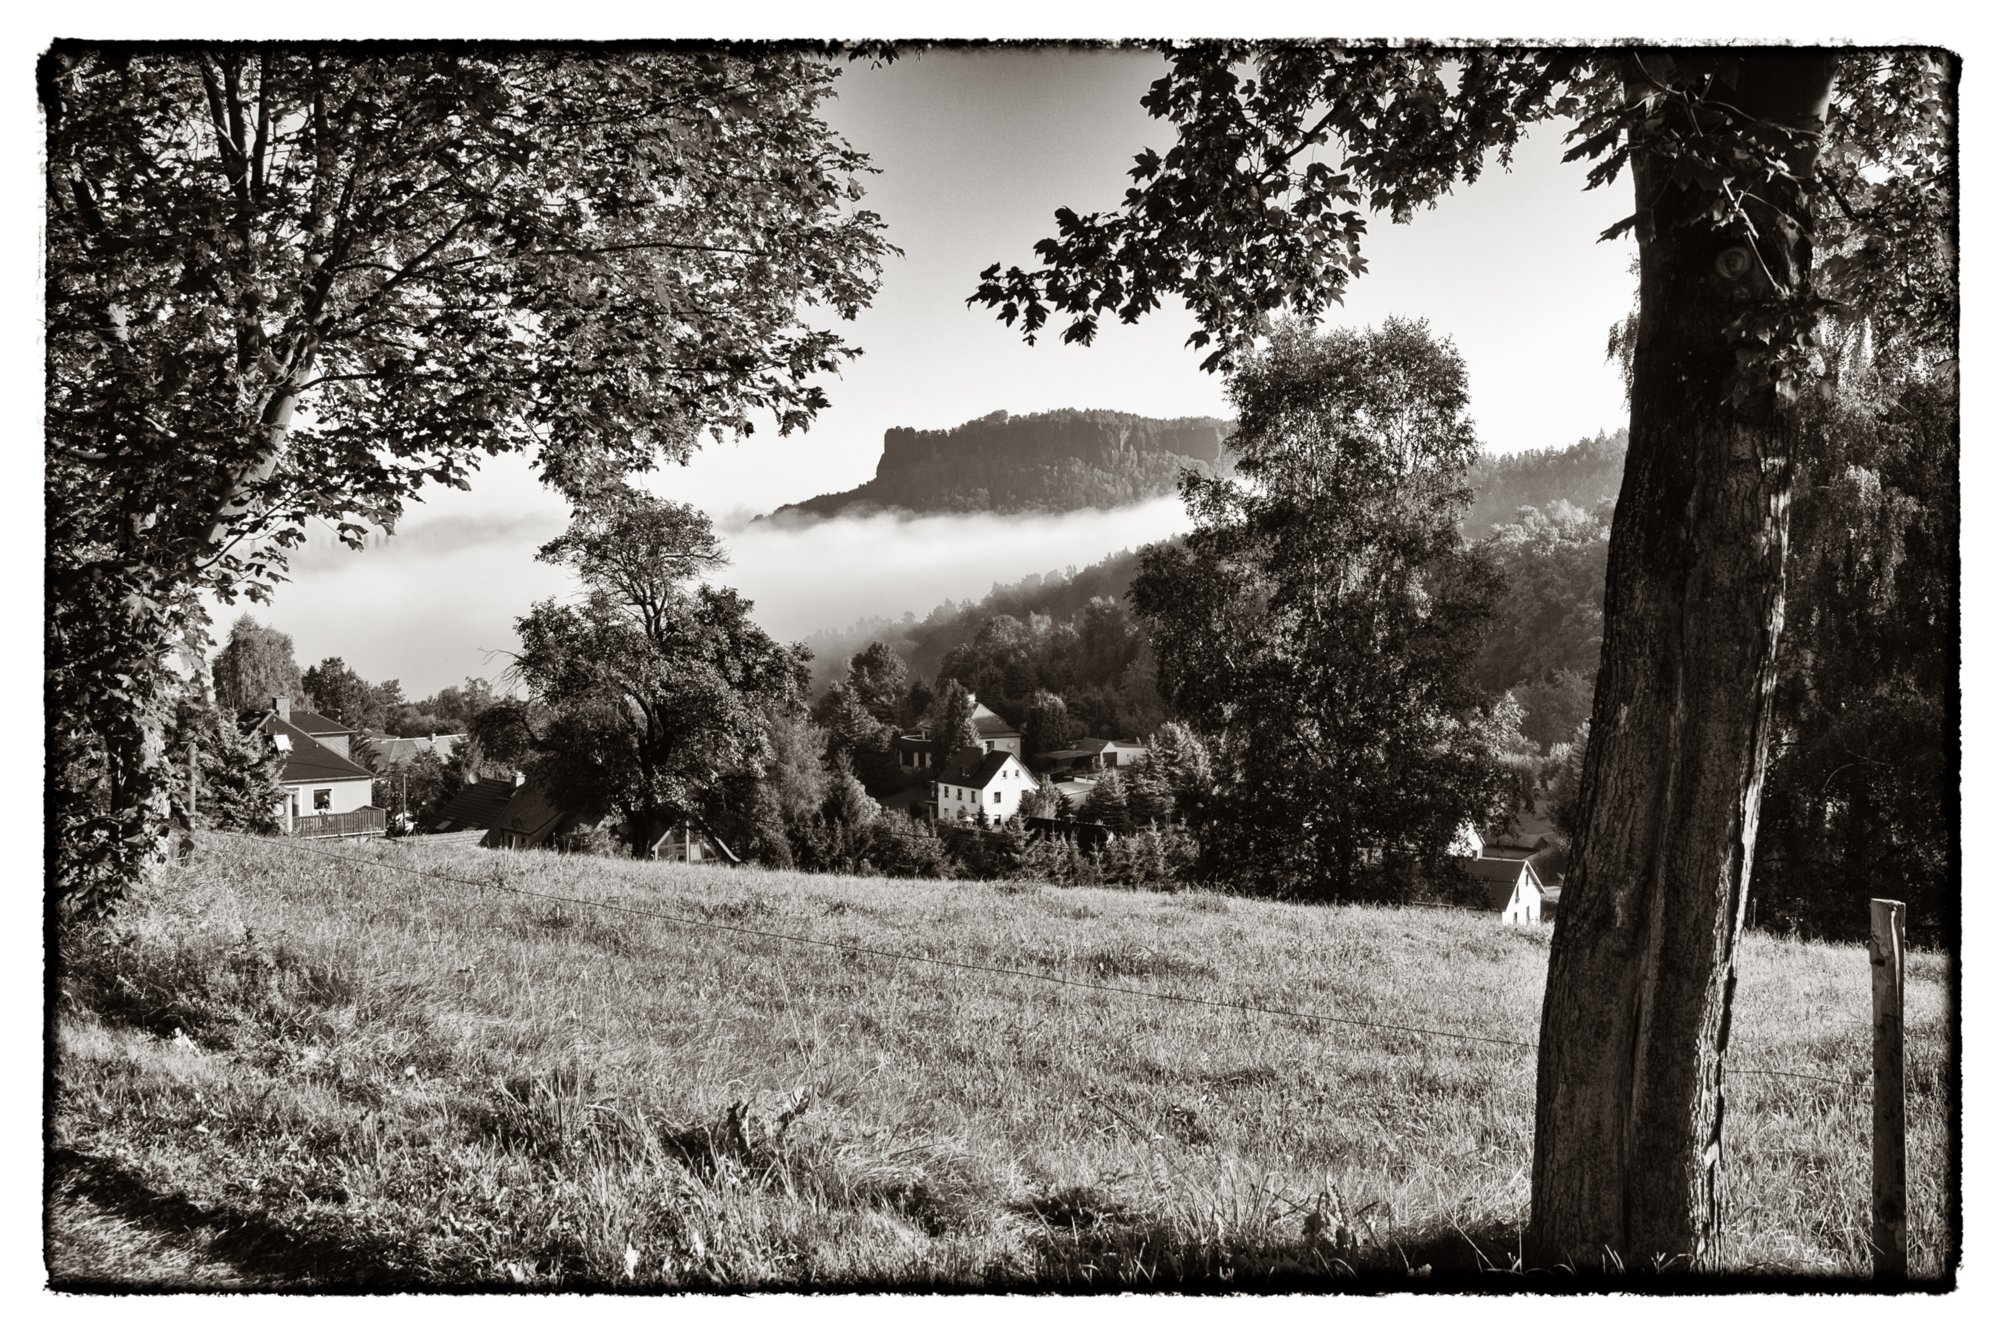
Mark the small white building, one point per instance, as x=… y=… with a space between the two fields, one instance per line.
x=1512 y=888
x=975 y=782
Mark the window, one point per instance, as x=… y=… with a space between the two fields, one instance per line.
x=996 y=795
x=322 y=800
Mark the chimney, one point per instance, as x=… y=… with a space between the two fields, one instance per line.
x=283 y=706
x=520 y=778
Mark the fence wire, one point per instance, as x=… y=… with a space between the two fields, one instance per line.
x=971 y=966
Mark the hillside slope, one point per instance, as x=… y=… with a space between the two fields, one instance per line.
x=288 y=1066
x=1058 y=461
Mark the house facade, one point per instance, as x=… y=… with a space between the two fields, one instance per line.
x=326 y=792
x=973 y=783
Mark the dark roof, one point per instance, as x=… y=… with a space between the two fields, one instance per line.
x=973 y=768
x=1498 y=869
x=1500 y=876
x=476 y=806
x=310 y=760
x=533 y=814
x=315 y=723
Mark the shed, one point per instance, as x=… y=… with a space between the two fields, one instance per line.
x=691 y=842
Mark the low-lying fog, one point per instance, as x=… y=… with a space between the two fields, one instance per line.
x=428 y=605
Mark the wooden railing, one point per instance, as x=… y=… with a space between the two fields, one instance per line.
x=364 y=821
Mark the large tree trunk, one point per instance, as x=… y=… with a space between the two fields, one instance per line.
x=1629 y=1104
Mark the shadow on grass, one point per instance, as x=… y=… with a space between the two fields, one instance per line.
x=269 y=1255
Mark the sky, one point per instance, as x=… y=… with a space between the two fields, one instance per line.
x=976 y=149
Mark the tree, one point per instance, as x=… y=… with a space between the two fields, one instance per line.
x=880 y=680
x=339 y=693
x=238 y=768
x=254 y=667
x=1048 y=725
x=951 y=720
x=288 y=283
x=1105 y=804
x=654 y=693
x=1324 y=610
x=1743 y=164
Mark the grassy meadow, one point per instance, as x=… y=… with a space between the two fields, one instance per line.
x=282 y=1070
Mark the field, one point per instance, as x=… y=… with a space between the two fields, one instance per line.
x=281 y=1069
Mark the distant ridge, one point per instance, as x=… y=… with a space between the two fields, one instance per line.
x=1057 y=461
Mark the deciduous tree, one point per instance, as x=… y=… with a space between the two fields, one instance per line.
x=255 y=666
x=655 y=691
x=1324 y=610
x=288 y=283
x=1743 y=163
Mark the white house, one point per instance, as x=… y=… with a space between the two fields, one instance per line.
x=326 y=791
x=975 y=782
x=1512 y=888
x=995 y=734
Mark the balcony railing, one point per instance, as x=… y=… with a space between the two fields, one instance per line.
x=363 y=821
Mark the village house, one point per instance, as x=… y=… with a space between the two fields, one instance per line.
x=995 y=734
x=973 y=783
x=1512 y=888
x=326 y=792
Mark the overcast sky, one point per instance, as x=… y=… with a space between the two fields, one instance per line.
x=976 y=150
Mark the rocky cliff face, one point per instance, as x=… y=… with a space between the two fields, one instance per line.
x=1059 y=461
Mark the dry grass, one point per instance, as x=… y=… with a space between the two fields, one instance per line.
x=286 y=1070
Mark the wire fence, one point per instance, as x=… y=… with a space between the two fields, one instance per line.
x=1856 y=1079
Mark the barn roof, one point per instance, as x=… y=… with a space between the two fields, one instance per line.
x=476 y=806
x=532 y=813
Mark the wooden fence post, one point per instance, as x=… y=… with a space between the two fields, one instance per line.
x=1890 y=1233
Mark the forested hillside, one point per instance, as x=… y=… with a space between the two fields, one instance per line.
x=1059 y=461
x=1585 y=473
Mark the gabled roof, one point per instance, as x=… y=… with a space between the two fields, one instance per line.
x=315 y=723
x=708 y=837
x=1508 y=870
x=974 y=769
x=1501 y=877
x=308 y=760
x=395 y=751
x=532 y=814
x=476 y=806
x=990 y=725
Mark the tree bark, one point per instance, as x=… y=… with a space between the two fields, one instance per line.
x=1635 y=1024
